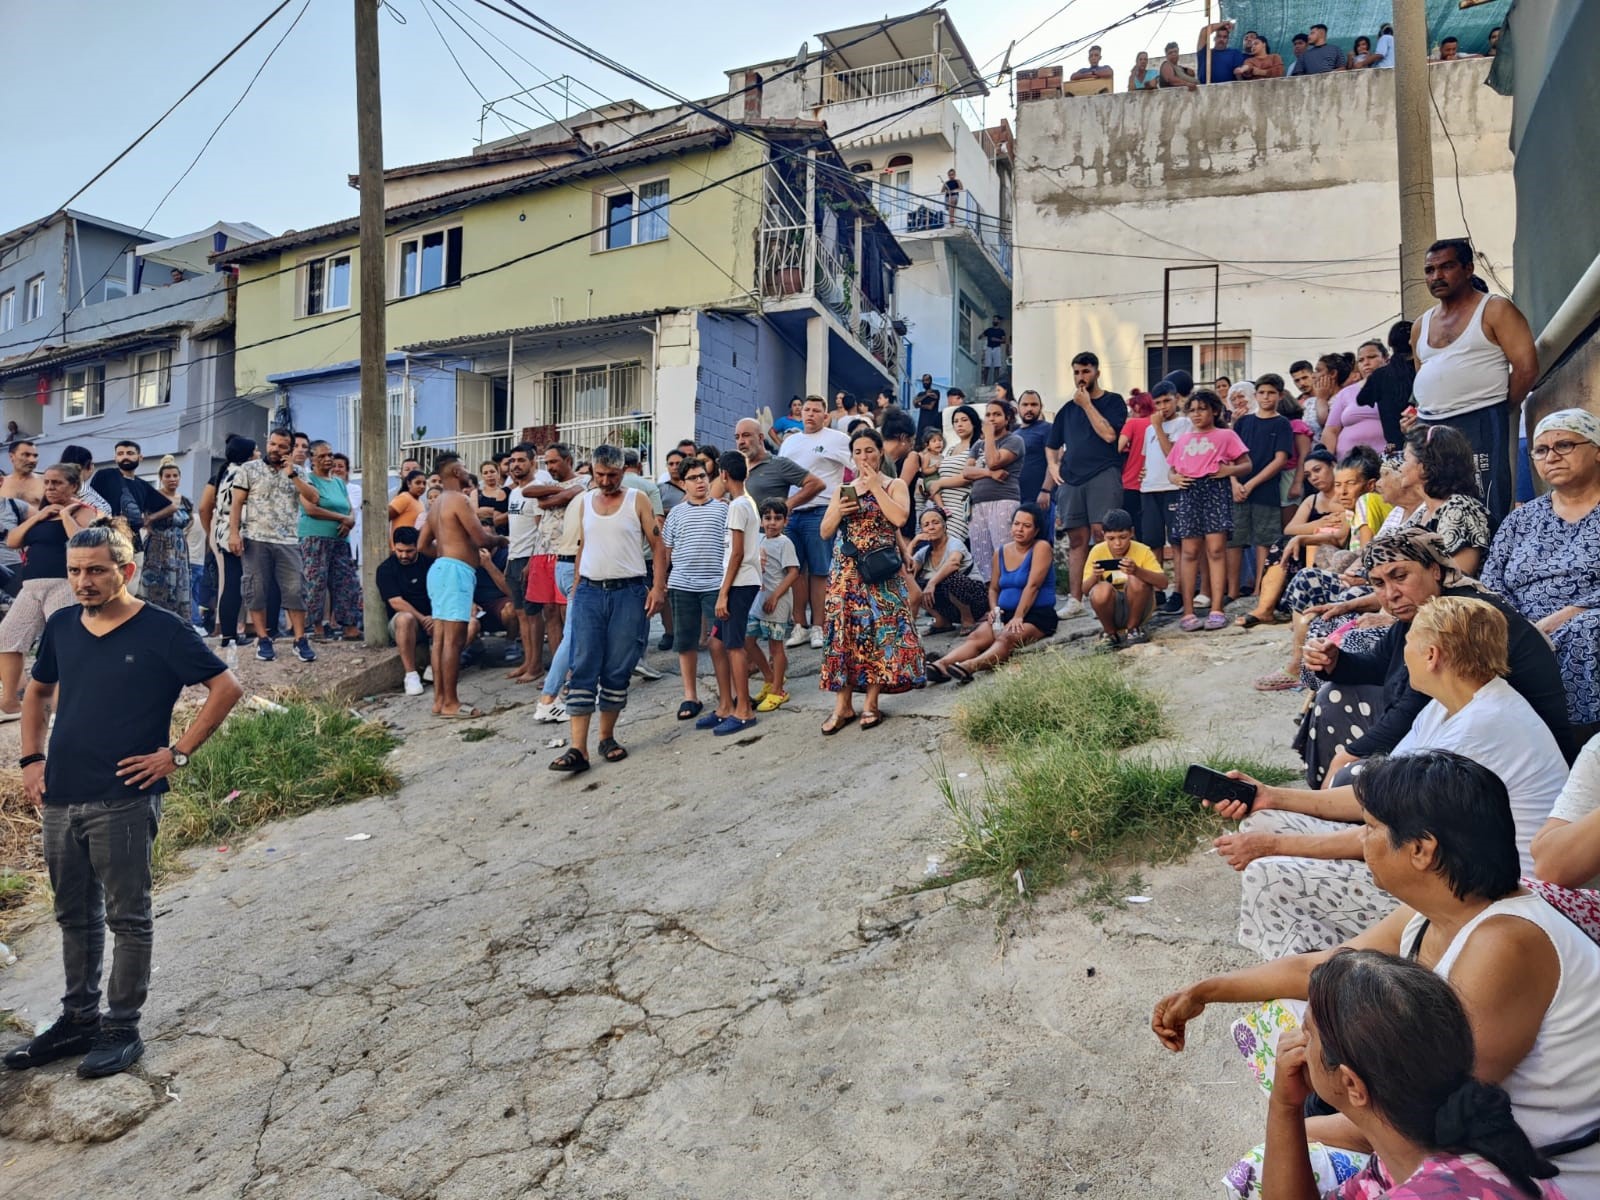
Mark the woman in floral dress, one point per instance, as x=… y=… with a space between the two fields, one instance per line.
x=871 y=643
x=166 y=552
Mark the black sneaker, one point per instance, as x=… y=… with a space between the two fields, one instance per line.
x=116 y=1048
x=1174 y=604
x=303 y=650
x=665 y=643
x=62 y=1040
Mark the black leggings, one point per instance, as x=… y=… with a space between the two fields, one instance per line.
x=228 y=602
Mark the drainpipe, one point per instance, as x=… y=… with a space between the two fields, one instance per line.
x=511 y=383
x=1568 y=321
x=406 y=415
x=655 y=373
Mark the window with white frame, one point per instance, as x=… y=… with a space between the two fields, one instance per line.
x=1229 y=356
x=638 y=216
x=33 y=299
x=969 y=327
x=116 y=289
x=425 y=262
x=347 y=425
x=324 y=285
x=152 y=379
x=83 y=393
x=8 y=309
x=602 y=393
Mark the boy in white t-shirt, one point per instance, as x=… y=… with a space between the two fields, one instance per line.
x=771 y=617
x=741 y=580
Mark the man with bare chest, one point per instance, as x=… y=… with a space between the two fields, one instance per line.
x=22 y=483
x=454 y=535
x=1475 y=364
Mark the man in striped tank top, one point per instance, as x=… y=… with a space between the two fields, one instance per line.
x=611 y=606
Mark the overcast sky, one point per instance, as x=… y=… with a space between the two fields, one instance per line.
x=84 y=77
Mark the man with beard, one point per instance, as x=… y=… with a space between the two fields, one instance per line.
x=112 y=667
x=22 y=483
x=265 y=532
x=132 y=499
x=1034 y=431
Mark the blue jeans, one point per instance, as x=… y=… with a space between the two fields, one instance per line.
x=814 y=551
x=197 y=574
x=98 y=855
x=609 y=628
x=562 y=658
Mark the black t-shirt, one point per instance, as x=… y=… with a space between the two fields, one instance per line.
x=995 y=335
x=406 y=582
x=128 y=496
x=114 y=697
x=1084 y=453
x=1263 y=437
x=46 y=550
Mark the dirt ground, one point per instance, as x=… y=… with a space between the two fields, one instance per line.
x=692 y=974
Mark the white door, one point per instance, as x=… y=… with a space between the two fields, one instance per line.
x=474 y=404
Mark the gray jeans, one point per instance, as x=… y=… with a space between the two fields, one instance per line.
x=282 y=561
x=98 y=855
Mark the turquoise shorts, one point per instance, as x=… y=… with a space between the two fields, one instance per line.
x=450 y=586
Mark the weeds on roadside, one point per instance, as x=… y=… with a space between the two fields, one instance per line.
x=1089 y=698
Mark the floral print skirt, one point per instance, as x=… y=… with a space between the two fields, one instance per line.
x=867 y=631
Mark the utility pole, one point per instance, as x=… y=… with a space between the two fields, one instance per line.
x=374 y=342
x=1413 y=110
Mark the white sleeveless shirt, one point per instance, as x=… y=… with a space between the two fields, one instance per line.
x=1468 y=374
x=1555 y=1090
x=613 y=546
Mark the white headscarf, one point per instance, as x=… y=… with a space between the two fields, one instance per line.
x=1574 y=420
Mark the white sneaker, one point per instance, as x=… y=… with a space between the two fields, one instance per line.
x=816 y=637
x=1201 y=600
x=798 y=637
x=549 y=714
x=1072 y=608
x=413 y=684
x=427 y=674
x=646 y=672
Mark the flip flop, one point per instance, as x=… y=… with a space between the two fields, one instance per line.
x=959 y=673
x=1278 y=683
x=837 y=722
x=461 y=714
x=571 y=763
x=935 y=673
x=871 y=720
x=1248 y=621
x=689 y=710
x=1191 y=624
x=612 y=750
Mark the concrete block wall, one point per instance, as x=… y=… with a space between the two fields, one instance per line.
x=726 y=377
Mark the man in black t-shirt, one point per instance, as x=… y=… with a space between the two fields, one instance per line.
x=114 y=667
x=403 y=583
x=1085 y=466
x=994 y=350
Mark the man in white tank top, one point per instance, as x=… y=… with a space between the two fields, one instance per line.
x=1475 y=363
x=611 y=606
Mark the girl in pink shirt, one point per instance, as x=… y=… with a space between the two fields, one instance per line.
x=1201 y=463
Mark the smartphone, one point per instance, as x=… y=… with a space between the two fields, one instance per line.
x=848 y=491
x=1109 y=564
x=1203 y=783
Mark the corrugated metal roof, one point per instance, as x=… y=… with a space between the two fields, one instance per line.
x=54 y=357
x=555 y=327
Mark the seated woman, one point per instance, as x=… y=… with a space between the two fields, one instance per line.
x=1022 y=603
x=1316 y=523
x=1438 y=467
x=1386 y=1044
x=1441 y=838
x=942 y=582
x=1546 y=556
x=1304 y=886
x=1365 y=702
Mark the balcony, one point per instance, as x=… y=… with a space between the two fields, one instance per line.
x=882 y=89
x=914 y=216
x=635 y=431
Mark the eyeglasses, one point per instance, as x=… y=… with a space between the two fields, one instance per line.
x=1554 y=450
x=697 y=477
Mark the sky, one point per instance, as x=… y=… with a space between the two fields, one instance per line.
x=282 y=159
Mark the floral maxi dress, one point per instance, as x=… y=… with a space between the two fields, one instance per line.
x=867 y=627
x=166 y=562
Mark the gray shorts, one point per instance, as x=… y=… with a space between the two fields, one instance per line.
x=283 y=562
x=1080 y=505
x=1255 y=525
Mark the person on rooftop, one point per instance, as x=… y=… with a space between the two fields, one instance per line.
x=1259 y=62
x=1321 y=56
x=1220 y=64
x=1095 y=70
x=1174 y=75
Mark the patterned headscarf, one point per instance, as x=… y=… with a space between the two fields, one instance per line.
x=1412 y=543
x=1574 y=420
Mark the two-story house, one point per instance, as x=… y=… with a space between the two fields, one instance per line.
x=111 y=333
x=597 y=286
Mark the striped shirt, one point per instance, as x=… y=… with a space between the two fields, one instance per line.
x=694 y=533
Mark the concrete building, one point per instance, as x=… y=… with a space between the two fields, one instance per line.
x=1280 y=196
x=643 y=290
x=900 y=99
x=109 y=333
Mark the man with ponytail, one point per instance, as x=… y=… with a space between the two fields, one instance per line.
x=112 y=667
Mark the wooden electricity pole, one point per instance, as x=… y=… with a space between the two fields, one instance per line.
x=1413 y=110
x=374 y=348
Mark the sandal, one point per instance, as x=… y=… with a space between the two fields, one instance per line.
x=572 y=762
x=1216 y=621
x=772 y=701
x=837 y=723
x=612 y=750
x=935 y=673
x=872 y=719
x=1191 y=624
x=689 y=710
x=959 y=673
x=1248 y=621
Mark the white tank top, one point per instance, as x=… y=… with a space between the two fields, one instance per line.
x=1468 y=374
x=613 y=547
x=1555 y=1090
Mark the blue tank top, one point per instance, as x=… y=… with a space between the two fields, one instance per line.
x=1012 y=582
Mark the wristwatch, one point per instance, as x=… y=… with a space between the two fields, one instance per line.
x=179 y=759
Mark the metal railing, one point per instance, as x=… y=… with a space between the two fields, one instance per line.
x=474 y=448
x=910 y=213
x=887 y=79
x=634 y=431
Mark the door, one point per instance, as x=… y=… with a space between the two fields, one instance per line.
x=474 y=404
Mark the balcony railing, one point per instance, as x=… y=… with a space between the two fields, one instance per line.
x=635 y=431
x=907 y=213
x=888 y=79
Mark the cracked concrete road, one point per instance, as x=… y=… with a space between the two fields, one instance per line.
x=692 y=974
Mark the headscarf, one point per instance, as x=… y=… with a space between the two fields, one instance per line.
x=1574 y=420
x=1243 y=388
x=1412 y=543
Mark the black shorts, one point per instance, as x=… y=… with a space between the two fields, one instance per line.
x=739 y=601
x=1041 y=616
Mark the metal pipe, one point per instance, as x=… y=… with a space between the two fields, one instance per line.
x=1576 y=313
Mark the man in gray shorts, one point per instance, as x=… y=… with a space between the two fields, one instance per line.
x=1086 y=466
x=263 y=530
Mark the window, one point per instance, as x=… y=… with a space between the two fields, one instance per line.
x=327 y=285
x=591 y=395
x=84 y=393
x=33 y=299
x=969 y=328
x=116 y=289
x=636 y=217
x=8 y=309
x=1199 y=359
x=427 y=262
x=152 y=379
x=347 y=426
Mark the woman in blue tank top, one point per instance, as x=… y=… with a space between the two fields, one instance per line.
x=1022 y=602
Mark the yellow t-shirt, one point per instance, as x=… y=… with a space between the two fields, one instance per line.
x=1143 y=557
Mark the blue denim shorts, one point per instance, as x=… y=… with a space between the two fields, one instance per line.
x=814 y=551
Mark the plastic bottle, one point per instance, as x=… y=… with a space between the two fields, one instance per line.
x=230 y=656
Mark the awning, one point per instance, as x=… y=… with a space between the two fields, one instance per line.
x=191 y=252
x=899 y=39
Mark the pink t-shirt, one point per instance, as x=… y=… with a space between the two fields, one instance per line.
x=1298 y=428
x=1441 y=1176
x=1196 y=455
x=1358 y=426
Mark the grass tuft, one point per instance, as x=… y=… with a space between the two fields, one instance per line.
x=1089 y=698
x=478 y=733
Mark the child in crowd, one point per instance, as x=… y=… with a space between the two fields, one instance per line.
x=1201 y=463
x=1159 y=495
x=772 y=614
x=1121 y=581
x=1257 y=510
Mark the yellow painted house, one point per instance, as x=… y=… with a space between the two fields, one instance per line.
x=659 y=288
